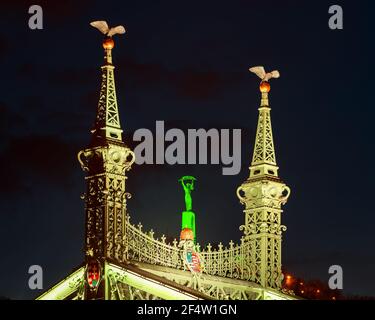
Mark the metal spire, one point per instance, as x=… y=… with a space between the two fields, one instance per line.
x=264 y=158
x=263 y=194
x=107 y=122
x=106 y=163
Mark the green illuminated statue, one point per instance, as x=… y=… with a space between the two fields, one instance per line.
x=188 y=216
x=187 y=183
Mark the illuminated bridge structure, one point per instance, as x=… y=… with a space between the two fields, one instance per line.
x=122 y=261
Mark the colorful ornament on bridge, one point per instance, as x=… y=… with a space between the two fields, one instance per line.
x=193 y=261
x=187 y=234
x=190 y=256
x=93 y=273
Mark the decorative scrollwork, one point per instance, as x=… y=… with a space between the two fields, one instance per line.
x=248 y=229
x=82 y=159
x=284 y=198
x=129 y=163
x=242 y=199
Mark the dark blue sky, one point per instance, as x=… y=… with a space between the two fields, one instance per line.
x=187 y=63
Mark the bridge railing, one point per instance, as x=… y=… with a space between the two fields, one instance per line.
x=231 y=261
x=142 y=246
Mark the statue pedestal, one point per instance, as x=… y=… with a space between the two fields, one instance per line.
x=188 y=221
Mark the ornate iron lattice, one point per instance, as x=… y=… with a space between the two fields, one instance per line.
x=231 y=262
x=123 y=291
x=107 y=112
x=264 y=151
x=210 y=286
x=105 y=199
x=263 y=194
x=144 y=247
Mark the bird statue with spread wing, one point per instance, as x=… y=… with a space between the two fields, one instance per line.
x=261 y=73
x=102 y=26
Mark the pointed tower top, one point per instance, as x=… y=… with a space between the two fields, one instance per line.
x=263 y=194
x=264 y=158
x=107 y=122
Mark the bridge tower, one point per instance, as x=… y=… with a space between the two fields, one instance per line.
x=105 y=161
x=263 y=193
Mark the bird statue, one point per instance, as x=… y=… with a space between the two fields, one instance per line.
x=102 y=26
x=261 y=73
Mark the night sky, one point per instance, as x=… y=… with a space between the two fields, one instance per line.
x=187 y=63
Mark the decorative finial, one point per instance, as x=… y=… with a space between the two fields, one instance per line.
x=102 y=26
x=261 y=73
x=264 y=85
x=108 y=43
